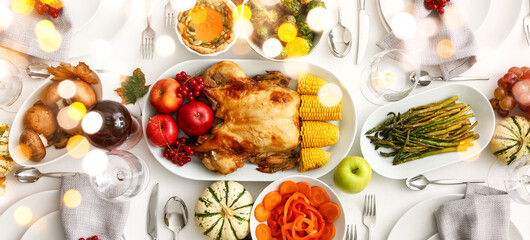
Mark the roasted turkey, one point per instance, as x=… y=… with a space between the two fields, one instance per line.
x=260 y=120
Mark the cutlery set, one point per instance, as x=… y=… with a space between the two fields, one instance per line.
x=175 y=214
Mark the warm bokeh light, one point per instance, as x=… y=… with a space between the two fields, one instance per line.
x=165 y=46
x=95 y=162
x=182 y=5
x=247 y=28
x=429 y=27
x=287 y=32
x=199 y=15
x=454 y=17
x=387 y=79
x=403 y=25
x=101 y=49
x=6 y=18
x=76 y=111
x=330 y=95
x=22 y=6
x=49 y=39
x=395 y=6
x=23 y=215
x=72 y=198
x=4 y=69
x=316 y=19
x=272 y=47
x=291 y=69
x=445 y=48
x=77 y=146
x=65 y=121
x=270 y=2
x=247 y=13
x=92 y=122
x=23 y=151
x=66 y=89
x=297 y=48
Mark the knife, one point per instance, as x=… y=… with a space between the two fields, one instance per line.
x=364 y=30
x=151 y=214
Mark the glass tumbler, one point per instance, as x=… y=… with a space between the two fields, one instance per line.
x=10 y=83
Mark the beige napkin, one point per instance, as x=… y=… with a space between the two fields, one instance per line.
x=452 y=47
x=84 y=214
x=20 y=35
x=483 y=214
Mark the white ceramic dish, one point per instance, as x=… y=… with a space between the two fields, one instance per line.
x=480 y=107
x=197 y=171
x=420 y=221
x=82 y=12
x=235 y=29
x=487 y=18
x=340 y=223
x=17 y=128
x=48 y=227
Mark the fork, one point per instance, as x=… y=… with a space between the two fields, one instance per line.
x=351 y=234
x=148 y=36
x=171 y=15
x=526 y=25
x=369 y=213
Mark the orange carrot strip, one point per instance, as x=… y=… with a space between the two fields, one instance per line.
x=263 y=232
x=261 y=213
x=318 y=196
x=304 y=188
x=328 y=233
x=288 y=187
x=330 y=211
x=272 y=200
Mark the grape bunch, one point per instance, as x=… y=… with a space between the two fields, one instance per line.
x=512 y=89
x=42 y=8
x=178 y=152
x=436 y=5
x=189 y=86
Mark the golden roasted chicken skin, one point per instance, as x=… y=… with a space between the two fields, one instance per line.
x=261 y=121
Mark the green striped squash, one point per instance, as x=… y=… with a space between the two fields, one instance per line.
x=223 y=211
x=511 y=139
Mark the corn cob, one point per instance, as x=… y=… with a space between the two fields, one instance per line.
x=309 y=84
x=311 y=158
x=311 y=108
x=318 y=134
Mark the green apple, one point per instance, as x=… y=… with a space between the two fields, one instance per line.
x=352 y=174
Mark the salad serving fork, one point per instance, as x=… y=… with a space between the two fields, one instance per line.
x=171 y=15
x=148 y=36
x=369 y=214
x=526 y=25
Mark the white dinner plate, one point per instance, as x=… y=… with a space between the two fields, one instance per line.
x=52 y=154
x=82 y=12
x=22 y=214
x=419 y=223
x=48 y=227
x=491 y=21
x=197 y=171
x=480 y=107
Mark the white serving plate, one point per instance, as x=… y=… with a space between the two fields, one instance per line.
x=48 y=227
x=340 y=223
x=82 y=12
x=197 y=171
x=480 y=107
x=419 y=223
x=17 y=128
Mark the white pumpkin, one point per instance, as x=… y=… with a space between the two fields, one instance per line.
x=6 y=163
x=511 y=139
x=223 y=211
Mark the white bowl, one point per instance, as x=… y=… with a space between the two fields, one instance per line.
x=340 y=223
x=235 y=29
x=52 y=154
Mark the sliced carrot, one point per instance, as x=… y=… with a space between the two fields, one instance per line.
x=263 y=232
x=275 y=238
x=328 y=233
x=318 y=196
x=288 y=187
x=272 y=200
x=261 y=213
x=304 y=188
x=330 y=211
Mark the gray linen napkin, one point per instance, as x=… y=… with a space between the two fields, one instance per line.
x=20 y=35
x=484 y=214
x=94 y=215
x=457 y=38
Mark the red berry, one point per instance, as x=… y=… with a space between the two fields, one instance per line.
x=193 y=82
x=190 y=153
x=198 y=87
x=81 y=239
x=45 y=8
x=95 y=237
x=196 y=93
x=191 y=98
x=55 y=15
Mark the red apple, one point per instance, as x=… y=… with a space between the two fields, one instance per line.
x=163 y=96
x=162 y=130
x=195 y=118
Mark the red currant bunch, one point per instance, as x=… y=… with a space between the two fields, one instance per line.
x=43 y=8
x=178 y=152
x=90 y=238
x=436 y=5
x=189 y=86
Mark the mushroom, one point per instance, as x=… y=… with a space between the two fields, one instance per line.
x=34 y=143
x=67 y=91
x=50 y=96
x=84 y=93
x=41 y=120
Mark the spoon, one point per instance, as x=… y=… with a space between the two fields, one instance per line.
x=40 y=70
x=30 y=174
x=175 y=215
x=346 y=37
x=425 y=79
x=420 y=182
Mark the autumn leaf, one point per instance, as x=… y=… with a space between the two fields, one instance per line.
x=67 y=71
x=132 y=87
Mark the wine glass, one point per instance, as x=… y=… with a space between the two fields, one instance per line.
x=109 y=125
x=116 y=175
x=514 y=178
x=10 y=83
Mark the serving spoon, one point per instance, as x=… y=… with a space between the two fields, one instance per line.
x=346 y=37
x=31 y=174
x=175 y=215
x=420 y=182
x=40 y=70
